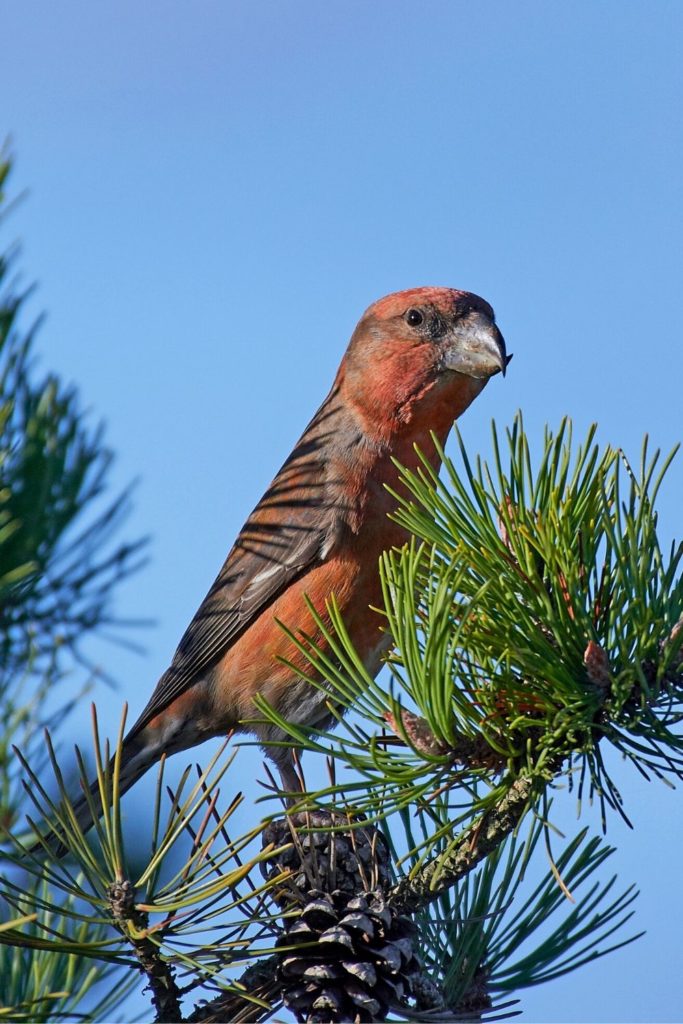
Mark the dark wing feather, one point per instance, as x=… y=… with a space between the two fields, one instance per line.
x=290 y=530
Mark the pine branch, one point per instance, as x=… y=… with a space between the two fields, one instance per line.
x=476 y=843
x=259 y=981
x=133 y=924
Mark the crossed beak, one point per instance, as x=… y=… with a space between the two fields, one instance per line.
x=476 y=347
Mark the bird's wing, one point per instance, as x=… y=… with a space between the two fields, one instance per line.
x=290 y=530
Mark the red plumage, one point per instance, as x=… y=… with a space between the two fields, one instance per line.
x=416 y=360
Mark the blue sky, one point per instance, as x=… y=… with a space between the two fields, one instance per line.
x=218 y=190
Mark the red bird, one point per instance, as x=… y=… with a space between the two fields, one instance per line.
x=414 y=363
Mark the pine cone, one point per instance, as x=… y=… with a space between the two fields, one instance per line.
x=353 y=861
x=418 y=732
x=596 y=660
x=352 y=960
x=352 y=957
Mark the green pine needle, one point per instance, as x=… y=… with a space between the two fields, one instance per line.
x=534 y=619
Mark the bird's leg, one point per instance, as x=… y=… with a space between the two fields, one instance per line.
x=286 y=765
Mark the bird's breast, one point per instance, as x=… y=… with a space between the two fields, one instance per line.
x=266 y=661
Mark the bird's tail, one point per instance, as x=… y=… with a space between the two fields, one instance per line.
x=135 y=758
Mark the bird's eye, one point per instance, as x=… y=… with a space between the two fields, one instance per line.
x=414 y=317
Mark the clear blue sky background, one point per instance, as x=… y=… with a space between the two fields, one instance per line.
x=218 y=190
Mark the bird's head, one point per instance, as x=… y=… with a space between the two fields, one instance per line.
x=422 y=354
